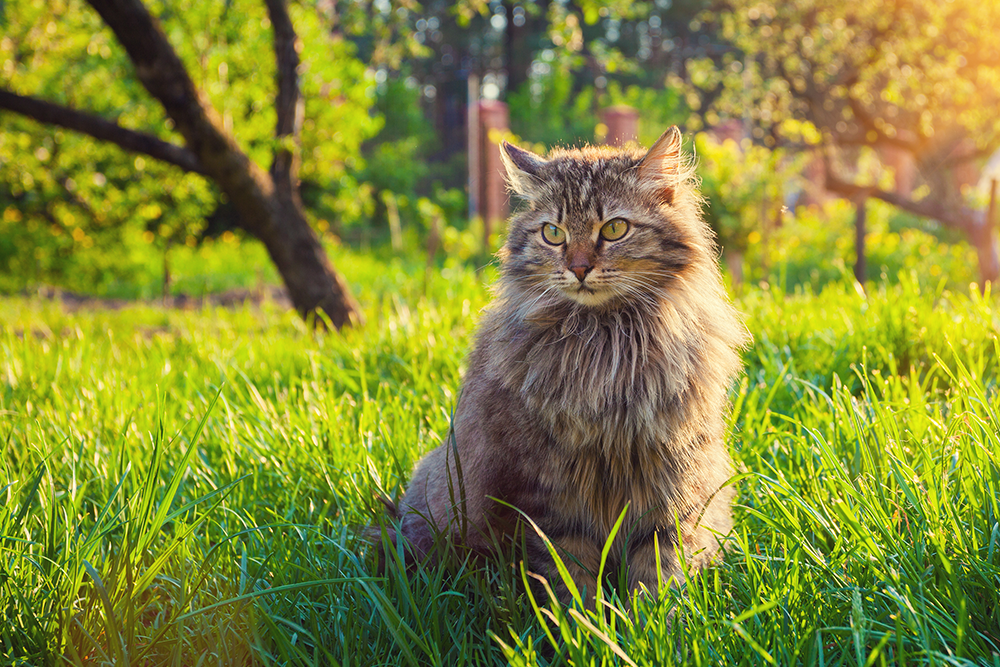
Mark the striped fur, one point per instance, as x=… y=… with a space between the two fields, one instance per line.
x=584 y=396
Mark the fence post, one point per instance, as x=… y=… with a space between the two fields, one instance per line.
x=860 y=215
x=623 y=125
x=494 y=120
x=473 y=144
x=991 y=215
x=988 y=259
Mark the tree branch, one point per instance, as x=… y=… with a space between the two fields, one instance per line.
x=961 y=218
x=906 y=140
x=100 y=128
x=162 y=73
x=156 y=63
x=287 y=101
x=963 y=153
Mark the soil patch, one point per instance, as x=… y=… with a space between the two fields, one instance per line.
x=234 y=298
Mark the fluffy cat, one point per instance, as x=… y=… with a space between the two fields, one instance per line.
x=599 y=376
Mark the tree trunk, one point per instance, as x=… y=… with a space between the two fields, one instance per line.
x=734 y=262
x=860 y=219
x=297 y=253
x=977 y=226
x=267 y=204
x=312 y=283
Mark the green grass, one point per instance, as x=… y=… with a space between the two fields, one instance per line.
x=190 y=487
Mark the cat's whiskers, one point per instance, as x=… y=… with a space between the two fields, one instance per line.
x=529 y=307
x=646 y=291
x=636 y=294
x=648 y=279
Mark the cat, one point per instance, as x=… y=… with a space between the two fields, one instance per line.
x=599 y=377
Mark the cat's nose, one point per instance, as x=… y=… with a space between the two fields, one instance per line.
x=579 y=262
x=581 y=271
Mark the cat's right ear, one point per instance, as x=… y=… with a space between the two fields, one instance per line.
x=663 y=168
x=522 y=170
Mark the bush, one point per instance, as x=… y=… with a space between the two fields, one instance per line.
x=815 y=246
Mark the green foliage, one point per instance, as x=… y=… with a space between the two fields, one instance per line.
x=77 y=211
x=179 y=487
x=659 y=107
x=814 y=246
x=547 y=110
x=400 y=178
x=91 y=231
x=64 y=198
x=397 y=158
x=917 y=72
x=339 y=94
x=744 y=186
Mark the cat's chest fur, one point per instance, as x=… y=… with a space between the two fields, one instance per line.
x=614 y=382
x=628 y=398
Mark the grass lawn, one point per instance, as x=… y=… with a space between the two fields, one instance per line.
x=187 y=487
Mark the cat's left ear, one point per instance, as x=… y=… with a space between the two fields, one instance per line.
x=661 y=168
x=522 y=170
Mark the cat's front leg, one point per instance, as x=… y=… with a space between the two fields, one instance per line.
x=652 y=561
x=656 y=558
x=581 y=558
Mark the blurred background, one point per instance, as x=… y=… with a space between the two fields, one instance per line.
x=834 y=140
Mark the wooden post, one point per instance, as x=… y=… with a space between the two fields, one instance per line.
x=988 y=248
x=991 y=214
x=472 y=128
x=623 y=125
x=814 y=190
x=493 y=203
x=392 y=213
x=860 y=263
x=905 y=167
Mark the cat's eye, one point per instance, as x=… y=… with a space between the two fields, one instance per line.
x=614 y=229
x=553 y=235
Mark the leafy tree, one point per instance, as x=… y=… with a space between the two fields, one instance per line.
x=592 y=55
x=557 y=64
x=920 y=76
x=212 y=86
x=743 y=186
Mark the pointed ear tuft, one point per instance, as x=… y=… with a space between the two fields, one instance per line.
x=523 y=169
x=663 y=167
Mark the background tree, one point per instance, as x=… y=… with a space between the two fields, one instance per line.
x=557 y=64
x=743 y=186
x=223 y=120
x=921 y=77
x=68 y=199
x=385 y=86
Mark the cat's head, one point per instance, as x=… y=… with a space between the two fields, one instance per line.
x=603 y=226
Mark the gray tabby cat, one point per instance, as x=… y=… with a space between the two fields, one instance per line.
x=599 y=377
